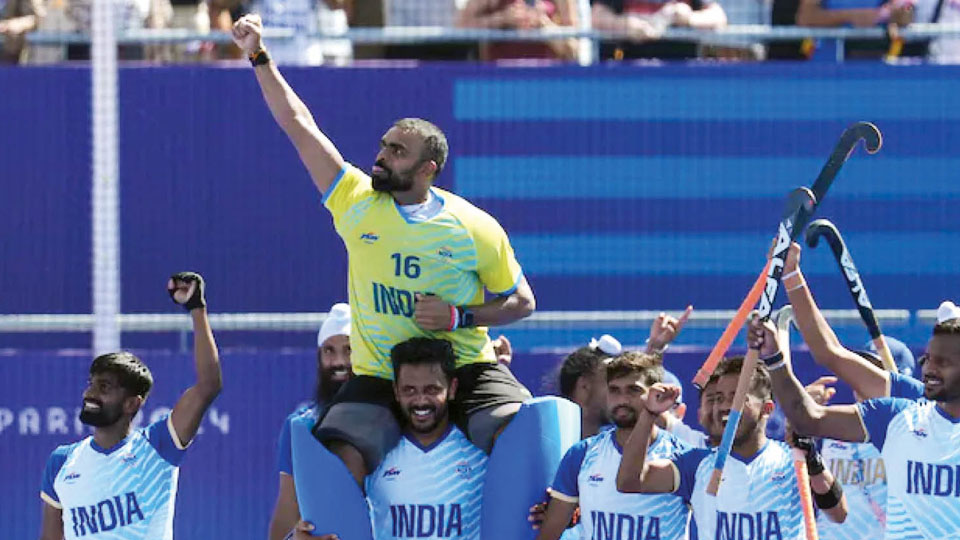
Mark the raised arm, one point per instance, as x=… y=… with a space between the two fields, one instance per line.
x=635 y=474
x=867 y=380
x=319 y=155
x=187 y=289
x=841 y=422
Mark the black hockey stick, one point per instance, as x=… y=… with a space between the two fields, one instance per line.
x=828 y=230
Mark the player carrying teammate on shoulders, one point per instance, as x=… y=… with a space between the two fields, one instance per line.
x=419 y=261
x=122 y=483
x=431 y=484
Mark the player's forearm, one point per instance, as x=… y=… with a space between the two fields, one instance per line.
x=820 y=484
x=826 y=349
x=505 y=310
x=708 y=18
x=206 y=357
x=799 y=408
x=630 y=474
x=285 y=105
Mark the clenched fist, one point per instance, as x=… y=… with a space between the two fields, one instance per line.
x=248 y=34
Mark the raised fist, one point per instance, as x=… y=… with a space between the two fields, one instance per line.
x=247 y=33
x=187 y=289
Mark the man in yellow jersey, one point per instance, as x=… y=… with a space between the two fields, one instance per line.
x=420 y=260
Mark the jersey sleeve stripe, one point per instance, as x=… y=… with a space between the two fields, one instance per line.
x=333 y=185
x=563 y=496
x=174 y=436
x=511 y=290
x=49 y=500
x=863 y=425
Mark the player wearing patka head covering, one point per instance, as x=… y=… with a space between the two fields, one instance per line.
x=333 y=370
x=121 y=482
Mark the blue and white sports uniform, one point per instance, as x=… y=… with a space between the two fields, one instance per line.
x=309 y=414
x=125 y=492
x=758 y=497
x=920 y=446
x=588 y=475
x=428 y=492
x=860 y=470
x=902 y=386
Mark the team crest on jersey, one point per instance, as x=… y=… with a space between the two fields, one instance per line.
x=128 y=458
x=71 y=478
x=920 y=433
x=445 y=252
x=392 y=473
x=369 y=237
x=837 y=445
x=595 y=478
x=464 y=469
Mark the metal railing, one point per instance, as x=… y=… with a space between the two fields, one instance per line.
x=424 y=34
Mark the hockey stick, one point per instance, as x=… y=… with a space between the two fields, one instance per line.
x=782 y=319
x=800 y=205
x=828 y=230
x=733 y=328
x=841 y=152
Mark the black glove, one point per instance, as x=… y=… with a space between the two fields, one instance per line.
x=192 y=281
x=809 y=447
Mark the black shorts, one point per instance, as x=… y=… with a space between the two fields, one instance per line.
x=364 y=413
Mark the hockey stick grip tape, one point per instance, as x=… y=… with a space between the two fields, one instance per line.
x=806 y=497
x=733 y=328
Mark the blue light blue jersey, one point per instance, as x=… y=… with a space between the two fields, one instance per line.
x=758 y=497
x=920 y=445
x=860 y=470
x=588 y=475
x=902 y=386
x=310 y=414
x=125 y=492
x=428 y=492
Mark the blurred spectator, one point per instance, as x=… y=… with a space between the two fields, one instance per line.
x=17 y=18
x=858 y=14
x=784 y=13
x=944 y=50
x=644 y=20
x=427 y=13
x=306 y=18
x=222 y=14
x=522 y=15
x=127 y=15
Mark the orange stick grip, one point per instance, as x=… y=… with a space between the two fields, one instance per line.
x=733 y=328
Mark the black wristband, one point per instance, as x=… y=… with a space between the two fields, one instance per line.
x=773 y=361
x=464 y=317
x=259 y=57
x=831 y=498
x=814 y=463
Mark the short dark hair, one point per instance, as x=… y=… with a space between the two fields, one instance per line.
x=760 y=384
x=134 y=376
x=422 y=350
x=583 y=361
x=435 y=145
x=648 y=366
x=946 y=328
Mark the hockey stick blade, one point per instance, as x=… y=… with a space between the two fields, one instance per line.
x=872 y=141
x=828 y=230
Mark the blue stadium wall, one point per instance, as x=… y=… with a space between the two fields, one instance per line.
x=622 y=188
